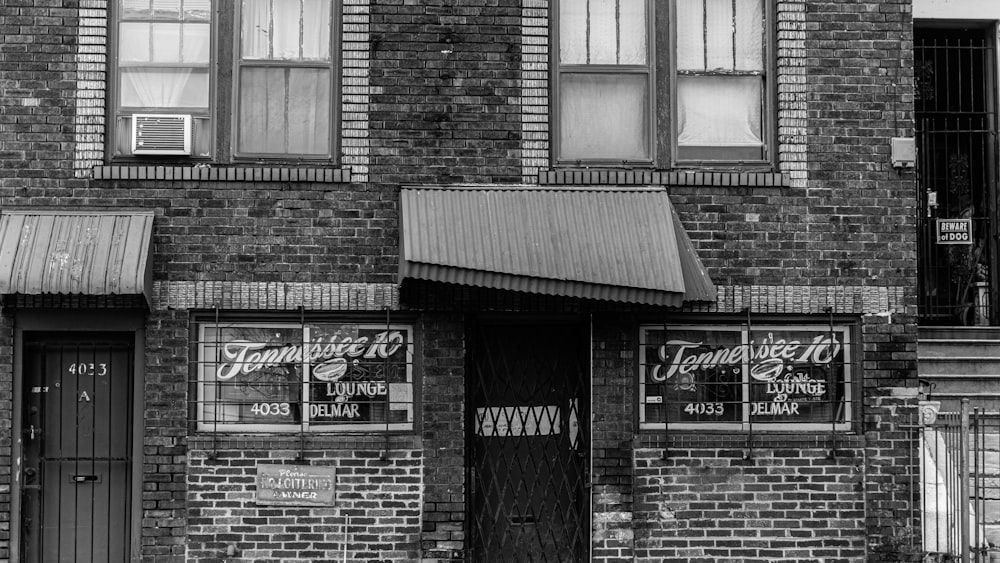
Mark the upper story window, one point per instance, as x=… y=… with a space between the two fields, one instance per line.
x=182 y=88
x=645 y=82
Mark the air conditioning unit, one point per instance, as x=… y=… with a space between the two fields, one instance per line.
x=161 y=134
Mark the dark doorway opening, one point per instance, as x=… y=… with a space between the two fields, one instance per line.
x=528 y=441
x=955 y=111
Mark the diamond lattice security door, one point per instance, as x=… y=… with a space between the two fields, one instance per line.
x=528 y=444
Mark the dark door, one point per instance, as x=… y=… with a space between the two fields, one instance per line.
x=955 y=105
x=76 y=481
x=528 y=443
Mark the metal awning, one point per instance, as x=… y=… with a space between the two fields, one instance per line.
x=76 y=252
x=613 y=244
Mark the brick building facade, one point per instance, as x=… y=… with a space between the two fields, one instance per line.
x=447 y=301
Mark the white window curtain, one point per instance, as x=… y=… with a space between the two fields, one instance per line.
x=604 y=116
x=285 y=108
x=164 y=88
x=180 y=52
x=719 y=111
x=604 y=113
x=720 y=69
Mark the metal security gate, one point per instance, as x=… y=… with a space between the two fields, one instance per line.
x=960 y=492
x=528 y=442
x=77 y=458
x=955 y=104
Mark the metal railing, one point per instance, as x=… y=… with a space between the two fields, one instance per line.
x=960 y=476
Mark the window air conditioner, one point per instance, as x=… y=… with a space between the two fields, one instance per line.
x=161 y=134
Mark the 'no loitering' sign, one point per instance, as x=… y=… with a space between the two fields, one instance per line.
x=295 y=485
x=954 y=231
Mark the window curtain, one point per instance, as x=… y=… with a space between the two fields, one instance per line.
x=720 y=66
x=604 y=113
x=719 y=110
x=285 y=108
x=164 y=88
x=284 y=111
x=182 y=46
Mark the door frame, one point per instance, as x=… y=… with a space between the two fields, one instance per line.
x=585 y=324
x=83 y=321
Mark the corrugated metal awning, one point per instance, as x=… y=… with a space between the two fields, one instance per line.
x=76 y=252
x=614 y=244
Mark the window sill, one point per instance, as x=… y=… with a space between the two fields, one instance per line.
x=222 y=174
x=841 y=439
x=661 y=177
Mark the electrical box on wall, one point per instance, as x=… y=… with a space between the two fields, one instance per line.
x=904 y=152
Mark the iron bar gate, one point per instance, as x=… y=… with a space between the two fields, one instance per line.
x=960 y=476
x=955 y=105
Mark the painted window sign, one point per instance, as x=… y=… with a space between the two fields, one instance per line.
x=313 y=377
x=767 y=377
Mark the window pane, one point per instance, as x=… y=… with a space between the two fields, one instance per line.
x=573 y=32
x=690 y=35
x=284 y=111
x=309 y=111
x=291 y=31
x=167 y=9
x=604 y=116
x=603 y=32
x=692 y=375
x=135 y=8
x=316 y=30
x=166 y=41
x=719 y=34
x=632 y=36
x=196 y=43
x=729 y=48
x=237 y=386
x=806 y=384
x=133 y=38
x=611 y=32
x=256 y=30
x=287 y=17
x=719 y=110
x=749 y=35
x=164 y=88
x=197 y=10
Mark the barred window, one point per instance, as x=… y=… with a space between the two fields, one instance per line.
x=308 y=377
x=739 y=377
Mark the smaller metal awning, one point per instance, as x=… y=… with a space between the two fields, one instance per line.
x=613 y=244
x=76 y=252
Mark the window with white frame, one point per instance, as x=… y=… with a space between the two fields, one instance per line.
x=767 y=377
x=610 y=107
x=304 y=377
x=181 y=88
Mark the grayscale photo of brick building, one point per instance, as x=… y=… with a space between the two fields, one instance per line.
x=499 y=280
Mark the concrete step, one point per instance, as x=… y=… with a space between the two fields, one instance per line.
x=951 y=401
x=934 y=349
x=961 y=362
x=959 y=365
x=959 y=333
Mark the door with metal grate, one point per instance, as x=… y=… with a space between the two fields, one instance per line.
x=76 y=425
x=528 y=442
x=956 y=127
